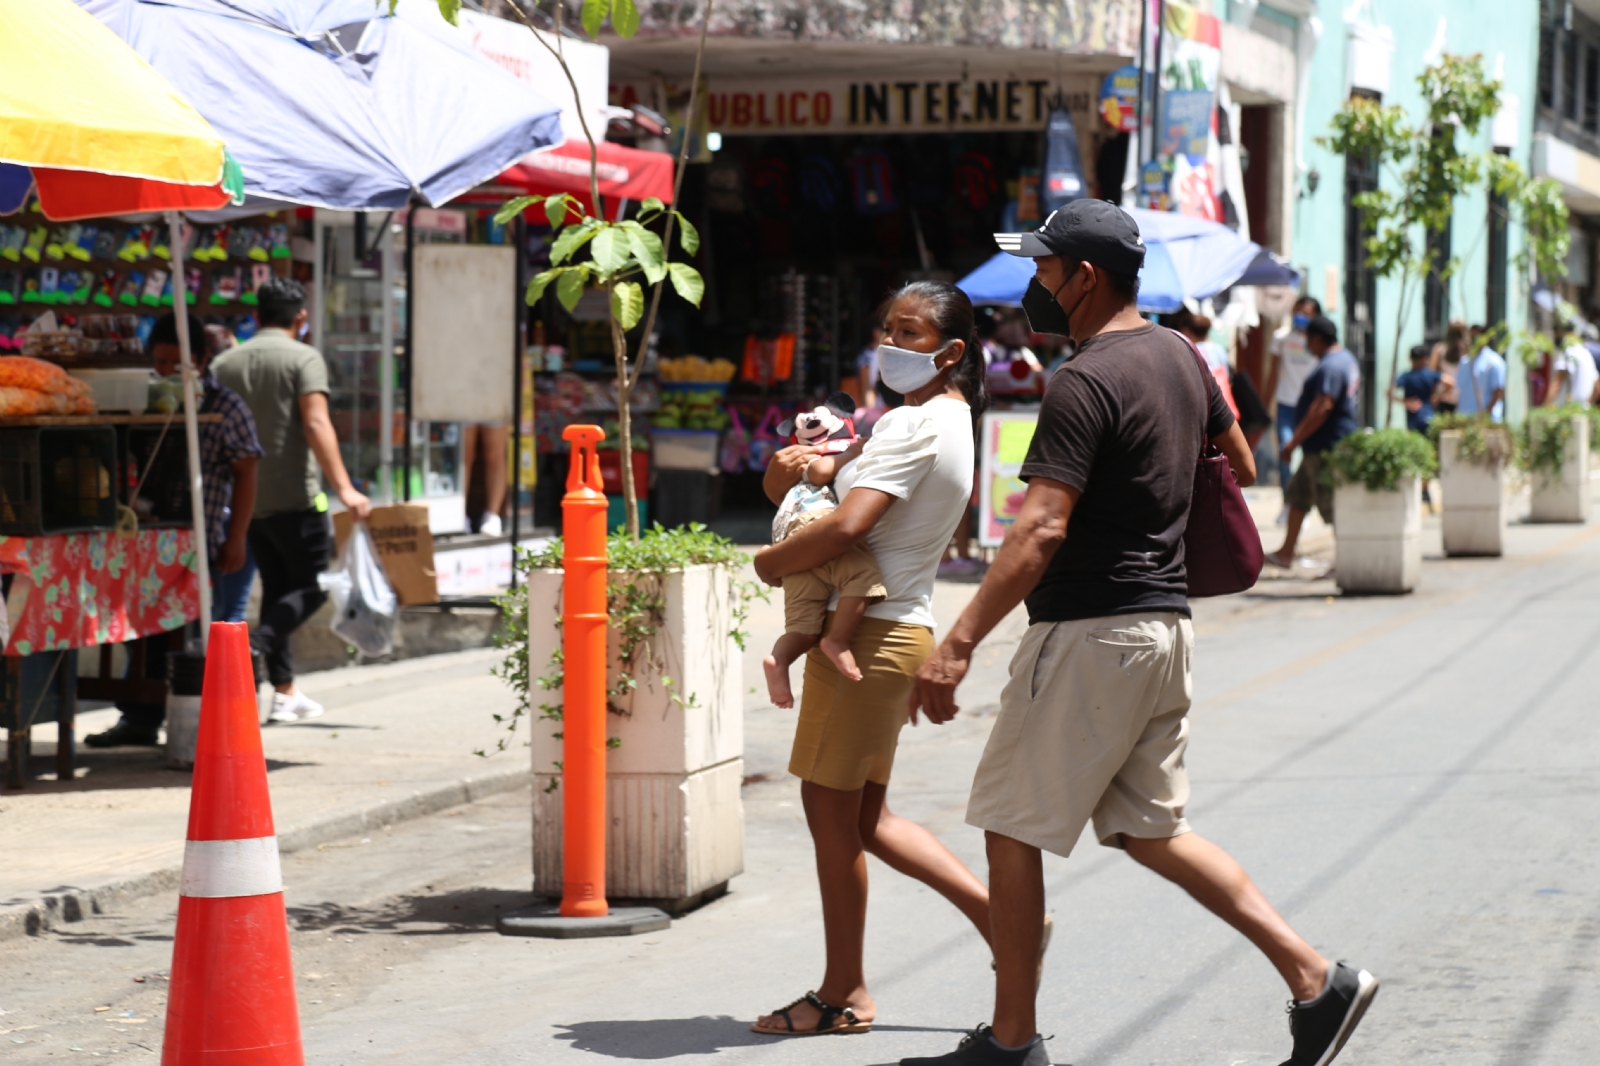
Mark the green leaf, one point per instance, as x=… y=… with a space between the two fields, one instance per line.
x=450 y=9
x=541 y=282
x=609 y=250
x=651 y=205
x=514 y=207
x=555 y=209
x=627 y=303
x=688 y=236
x=569 y=290
x=571 y=239
x=625 y=17
x=646 y=248
x=688 y=282
x=594 y=15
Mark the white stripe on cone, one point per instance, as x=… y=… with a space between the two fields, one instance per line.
x=218 y=868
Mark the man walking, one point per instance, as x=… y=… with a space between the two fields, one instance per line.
x=1292 y=363
x=1325 y=415
x=1481 y=380
x=1093 y=724
x=285 y=384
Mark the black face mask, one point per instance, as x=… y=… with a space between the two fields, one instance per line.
x=1044 y=311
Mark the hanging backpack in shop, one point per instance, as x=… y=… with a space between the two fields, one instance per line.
x=819 y=183
x=872 y=178
x=974 y=180
x=765 y=442
x=735 y=455
x=1063 y=166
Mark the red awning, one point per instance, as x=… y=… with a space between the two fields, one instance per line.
x=625 y=173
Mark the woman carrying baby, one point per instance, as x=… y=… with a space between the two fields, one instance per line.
x=901 y=494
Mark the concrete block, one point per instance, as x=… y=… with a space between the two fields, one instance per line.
x=1473 y=521
x=1564 y=498
x=1378 y=537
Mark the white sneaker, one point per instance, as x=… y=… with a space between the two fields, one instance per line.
x=489 y=525
x=295 y=708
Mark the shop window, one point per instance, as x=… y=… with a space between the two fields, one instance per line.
x=1499 y=254
x=1360 y=283
x=1436 y=286
x=1547 y=67
x=1591 y=89
x=1569 y=76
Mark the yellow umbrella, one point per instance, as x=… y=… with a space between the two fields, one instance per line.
x=101 y=132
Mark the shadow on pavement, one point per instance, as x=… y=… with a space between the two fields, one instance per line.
x=102 y=769
x=464 y=910
x=665 y=1038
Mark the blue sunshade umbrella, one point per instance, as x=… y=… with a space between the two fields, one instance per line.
x=1185 y=258
x=323 y=102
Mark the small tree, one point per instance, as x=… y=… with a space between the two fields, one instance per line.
x=621 y=251
x=1426 y=170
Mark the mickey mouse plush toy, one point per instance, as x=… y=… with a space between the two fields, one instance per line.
x=854 y=575
x=831 y=427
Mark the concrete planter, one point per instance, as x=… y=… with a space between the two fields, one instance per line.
x=676 y=819
x=1564 y=497
x=1378 y=537
x=1474 y=514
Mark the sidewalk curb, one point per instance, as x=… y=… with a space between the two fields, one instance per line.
x=71 y=904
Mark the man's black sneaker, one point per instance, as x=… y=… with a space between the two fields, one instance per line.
x=122 y=735
x=1321 y=1026
x=977 y=1049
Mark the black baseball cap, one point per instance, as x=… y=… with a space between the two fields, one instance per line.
x=1094 y=231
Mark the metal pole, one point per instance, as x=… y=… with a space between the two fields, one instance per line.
x=520 y=344
x=1144 y=36
x=411 y=315
x=386 y=366
x=319 y=281
x=191 y=425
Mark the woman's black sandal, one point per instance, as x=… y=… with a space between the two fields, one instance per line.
x=828 y=1015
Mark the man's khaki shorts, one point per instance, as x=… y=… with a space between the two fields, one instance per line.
x=1306 y=488
x=1093 y=724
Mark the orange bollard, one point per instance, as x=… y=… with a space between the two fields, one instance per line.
x=583 y=646
x=231 y=998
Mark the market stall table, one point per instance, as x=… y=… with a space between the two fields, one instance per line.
x=93 y=588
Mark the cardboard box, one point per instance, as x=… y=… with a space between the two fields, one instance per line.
x=405 y=547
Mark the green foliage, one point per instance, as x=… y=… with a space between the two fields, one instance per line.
x=1545 y=435
x=1380 y=458
x=636 y=604
x=1483 y=441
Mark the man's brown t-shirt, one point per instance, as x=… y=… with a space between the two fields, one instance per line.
x=1122 y=423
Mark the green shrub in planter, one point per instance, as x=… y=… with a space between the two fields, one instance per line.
x=1483 y=441
x=1379 y=458
x=1545 y=453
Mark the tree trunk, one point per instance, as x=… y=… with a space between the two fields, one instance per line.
x=630 y=491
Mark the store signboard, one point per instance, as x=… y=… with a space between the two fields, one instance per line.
x=531 y=59
x=464 y=299
x=1003 y=446
x=1119 y=99
x=999 y=101
x=1191 y=61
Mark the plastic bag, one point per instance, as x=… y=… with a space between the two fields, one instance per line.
x=365 y=606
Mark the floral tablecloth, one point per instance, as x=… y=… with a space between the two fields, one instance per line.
x=76 y=590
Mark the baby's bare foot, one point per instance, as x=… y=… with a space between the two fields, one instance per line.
x=840 y=654
x=777 y=683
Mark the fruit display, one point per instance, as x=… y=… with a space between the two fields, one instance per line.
x=693 y=368
x=690 y=409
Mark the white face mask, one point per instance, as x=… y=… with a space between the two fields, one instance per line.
x=904 y=370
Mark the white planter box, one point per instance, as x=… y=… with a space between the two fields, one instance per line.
x=1474 y=515
x=1564 y=498
x=674 y=813
x=1378 y=537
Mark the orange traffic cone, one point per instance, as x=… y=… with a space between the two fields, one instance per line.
x=232 y=991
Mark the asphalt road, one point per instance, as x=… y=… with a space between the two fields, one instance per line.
x=1413 y=780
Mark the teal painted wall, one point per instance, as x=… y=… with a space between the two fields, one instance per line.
x=1506 y=30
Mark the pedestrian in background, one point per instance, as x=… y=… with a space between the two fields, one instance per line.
x=1415 y=388
x=1481 y=379
x=1093 y=725
x=903 y=497
x=229 y=454
x=285 y=384
x=1325 y=415
x=1292 y=363
x=1572 y=375
x=233 y=587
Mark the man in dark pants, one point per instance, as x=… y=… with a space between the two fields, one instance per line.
x=286 y=385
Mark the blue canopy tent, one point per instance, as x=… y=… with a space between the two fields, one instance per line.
x=325 y=103
x=1185 y=258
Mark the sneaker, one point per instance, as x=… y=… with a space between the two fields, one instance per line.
x=1283 y=517
x=978 y=1048
x=122 y=735
x=295 y=708
x=489 y=525
x=1321 y=1026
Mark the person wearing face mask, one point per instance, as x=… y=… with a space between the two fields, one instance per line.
x=285 y=384
x=1292 y=363
x=901 y=493
x=1093 y=725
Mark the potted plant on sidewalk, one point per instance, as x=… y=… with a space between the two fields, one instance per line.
x=1556 y=447
x=675 y=692
x=1377 y=509
x=1475 y=456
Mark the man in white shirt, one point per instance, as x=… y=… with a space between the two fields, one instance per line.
x=1291 y=365
x=1481 y=381
x=1573 y=375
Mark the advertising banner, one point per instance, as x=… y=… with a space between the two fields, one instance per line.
x=1186 y=145
x=1002 y=448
